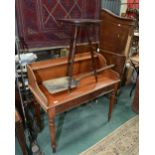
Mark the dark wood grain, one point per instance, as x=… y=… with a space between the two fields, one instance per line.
x=114 y=32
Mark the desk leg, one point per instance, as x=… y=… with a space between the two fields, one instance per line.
x=112 y=101
x=51 y=118
x=21 y=137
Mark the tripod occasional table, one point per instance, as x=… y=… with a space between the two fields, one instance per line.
x=78 y=23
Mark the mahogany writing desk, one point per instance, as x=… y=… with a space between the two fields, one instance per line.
x=87 y=89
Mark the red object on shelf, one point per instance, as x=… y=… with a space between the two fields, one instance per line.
x=133 y=6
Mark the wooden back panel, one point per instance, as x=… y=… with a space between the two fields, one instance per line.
x=55 y=68
x=115 y=32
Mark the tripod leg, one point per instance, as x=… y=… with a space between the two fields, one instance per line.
x=71 y=57
x=92 y=54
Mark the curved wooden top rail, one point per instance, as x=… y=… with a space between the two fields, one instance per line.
x=125 y=20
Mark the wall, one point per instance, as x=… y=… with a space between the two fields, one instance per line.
x=113 y=5
x=123 y=7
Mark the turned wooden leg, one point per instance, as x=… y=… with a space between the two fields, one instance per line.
x=51 y=118
x=21 y=137
x=112 y=101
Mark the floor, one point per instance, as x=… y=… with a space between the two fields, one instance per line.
x=82 y=127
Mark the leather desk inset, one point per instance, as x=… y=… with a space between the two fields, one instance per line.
x=88 y=88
